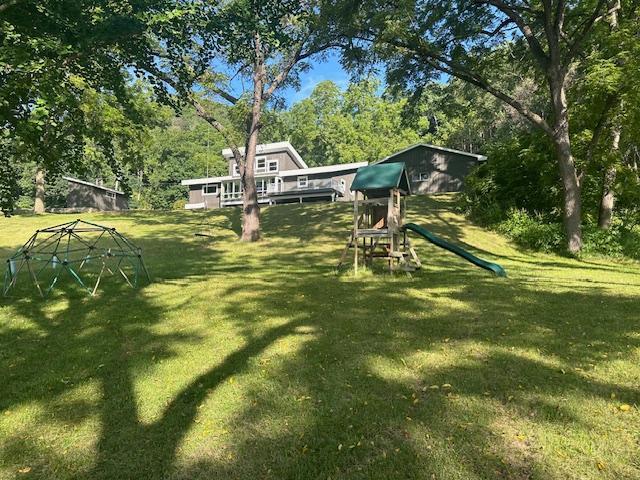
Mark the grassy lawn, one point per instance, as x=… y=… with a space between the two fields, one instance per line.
x=257 y=361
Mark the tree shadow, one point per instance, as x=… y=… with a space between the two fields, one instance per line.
x=336 y=372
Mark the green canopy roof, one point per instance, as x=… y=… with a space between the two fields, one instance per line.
x=382 y=176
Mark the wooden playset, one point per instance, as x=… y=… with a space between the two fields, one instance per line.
x=379 y=231
x=378 y=217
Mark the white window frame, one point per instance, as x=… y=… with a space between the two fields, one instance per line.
x=423 y=176
x=204 y=189
x=262 y=169
x=303 y=181
x=110 y=195
x=236 y=170
x=275 y=162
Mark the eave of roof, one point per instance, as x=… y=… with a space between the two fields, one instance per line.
x=324 y=169
x=479 y=158
x=270 y=148
x=284 y=173
x=89 y=184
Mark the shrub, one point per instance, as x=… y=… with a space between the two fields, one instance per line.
x=179 y=204
x=617 y=241
x=531 y=232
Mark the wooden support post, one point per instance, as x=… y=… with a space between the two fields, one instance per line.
x=391 y=226
x=355 y=234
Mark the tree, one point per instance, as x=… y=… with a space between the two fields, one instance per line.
x=53 y=50
x=358 y=124
x=609 y=80
x=264 y=42
x=423 y=39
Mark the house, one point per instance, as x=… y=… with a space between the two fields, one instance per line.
x=282 y=176
x=434 y=169
x=89 y=195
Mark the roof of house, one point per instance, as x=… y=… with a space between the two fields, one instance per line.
x=283 y=173
x=383 y=176
x=324 y=169
x=479 y=158
x=271 y=148
x=89 y=184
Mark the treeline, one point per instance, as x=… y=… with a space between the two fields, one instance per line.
x=359 y=123
x=549 y=90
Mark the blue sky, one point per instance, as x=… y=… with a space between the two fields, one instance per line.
x=330 y=69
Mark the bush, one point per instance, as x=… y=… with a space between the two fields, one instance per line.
x=179 y=204
x=534 y=232
x=618 y=241
x=531 y=232
x=521 y=174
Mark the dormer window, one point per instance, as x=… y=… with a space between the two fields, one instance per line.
x=272 y=166
x=236 y=170
x=261 y=164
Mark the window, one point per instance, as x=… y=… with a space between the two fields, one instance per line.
x=261 y=164
x=210 y=189
x=236 y=170
x=303 y=181
x=424 y=176
x=343 y=184
x=272 y=166
x=111 y=195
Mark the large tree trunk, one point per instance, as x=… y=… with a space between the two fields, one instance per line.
x=38 y=206
x=250 y=205
x=607 y=200
x=572 y=210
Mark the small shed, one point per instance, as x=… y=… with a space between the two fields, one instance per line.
x=83 y=194
x=435 y=169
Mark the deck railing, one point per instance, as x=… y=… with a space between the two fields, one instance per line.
x=321 y=183
x=313 y=184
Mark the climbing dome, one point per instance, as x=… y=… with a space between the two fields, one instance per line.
x=82 y=251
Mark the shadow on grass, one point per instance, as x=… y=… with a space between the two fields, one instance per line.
x=350 y=401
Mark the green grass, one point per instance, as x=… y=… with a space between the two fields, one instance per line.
x=257 y=361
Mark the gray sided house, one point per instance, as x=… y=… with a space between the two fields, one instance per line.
x=282 y=176
x=434 y=169
x=93 y=196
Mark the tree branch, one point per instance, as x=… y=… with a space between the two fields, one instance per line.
x=534 y=44
x=8 y=4
x=448 y=66
x=224 y=94
x=602 y=120
x=200 y=109
x=581 y=32
x=297 y=56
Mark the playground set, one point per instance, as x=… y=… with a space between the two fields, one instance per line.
x=84 y=250
x=379 y=228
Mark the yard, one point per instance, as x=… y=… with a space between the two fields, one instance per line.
x=257 y=361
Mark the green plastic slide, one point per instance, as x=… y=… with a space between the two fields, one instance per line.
x=426 y=234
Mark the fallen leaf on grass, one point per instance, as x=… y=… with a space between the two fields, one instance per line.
x=600 y=465
x=624 y=407
x=24 y=470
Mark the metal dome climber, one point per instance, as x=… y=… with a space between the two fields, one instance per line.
x=82 y=249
